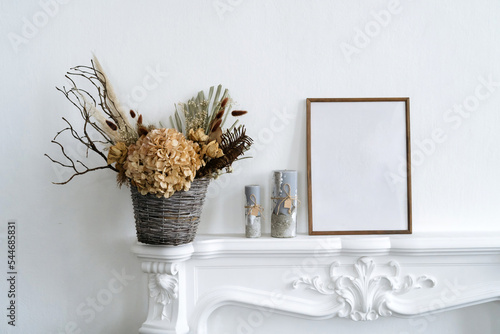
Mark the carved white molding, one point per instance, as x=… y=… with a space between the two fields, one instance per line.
x=170 y=268
x=215 y=271
x=166 y=287
x=163 y=288
x=365 y=296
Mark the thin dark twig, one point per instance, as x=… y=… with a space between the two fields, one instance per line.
x=85 y=102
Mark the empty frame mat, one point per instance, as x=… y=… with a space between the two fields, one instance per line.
x=358 y=158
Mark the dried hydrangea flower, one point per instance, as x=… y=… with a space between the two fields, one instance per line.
x=162 y=162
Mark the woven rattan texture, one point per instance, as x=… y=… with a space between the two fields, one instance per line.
x=169 y=221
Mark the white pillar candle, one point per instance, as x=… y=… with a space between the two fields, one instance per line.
x=253 y=212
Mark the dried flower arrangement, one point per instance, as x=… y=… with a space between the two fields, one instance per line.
x=152 y=158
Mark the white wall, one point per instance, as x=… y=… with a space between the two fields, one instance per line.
x=272 y=55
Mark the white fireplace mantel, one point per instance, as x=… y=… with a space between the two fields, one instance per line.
x=361 y=278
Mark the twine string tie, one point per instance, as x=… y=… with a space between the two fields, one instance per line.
x=255 y=209
x=283 y=200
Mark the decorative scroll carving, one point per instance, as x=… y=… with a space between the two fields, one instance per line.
x=365 y=295
x=163 y=288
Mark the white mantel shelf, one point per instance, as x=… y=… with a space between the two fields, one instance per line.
x=361 y=278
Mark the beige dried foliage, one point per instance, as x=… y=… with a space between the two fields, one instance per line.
x=198 y=135
x=162 y=162
x=212 y=150
x=117 y=153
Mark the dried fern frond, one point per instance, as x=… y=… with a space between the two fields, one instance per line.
x=234 y=144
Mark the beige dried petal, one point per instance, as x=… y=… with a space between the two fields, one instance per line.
x=212 y=150
x=198 y=135
x=162 y=162
x=117 y=153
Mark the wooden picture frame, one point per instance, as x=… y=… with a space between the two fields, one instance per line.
x=358 y=166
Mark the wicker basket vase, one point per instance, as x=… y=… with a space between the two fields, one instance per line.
x=169 y=221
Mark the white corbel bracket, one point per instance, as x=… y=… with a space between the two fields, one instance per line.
x=166 y=285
